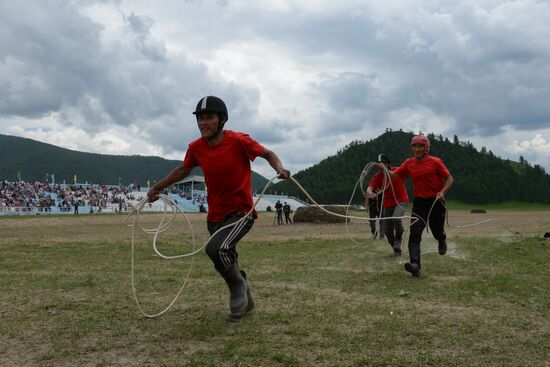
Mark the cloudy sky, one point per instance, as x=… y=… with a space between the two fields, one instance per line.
x=304 y=78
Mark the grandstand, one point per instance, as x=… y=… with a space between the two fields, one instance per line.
x=20 y=198
x=271 y=200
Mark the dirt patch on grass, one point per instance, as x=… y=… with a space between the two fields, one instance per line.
x=504 y=224
x=100 y=228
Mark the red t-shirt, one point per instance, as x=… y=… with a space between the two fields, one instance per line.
x=227 y=172
x=397 y=186
x=428 y=175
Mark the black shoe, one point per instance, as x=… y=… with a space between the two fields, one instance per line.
x=397 y=246
x=442 y=246
x=413 y=269
x=237 y=317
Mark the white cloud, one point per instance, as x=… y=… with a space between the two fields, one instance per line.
x=537 y=145
x=422 y=119
x=511 y=144
x=304 y=78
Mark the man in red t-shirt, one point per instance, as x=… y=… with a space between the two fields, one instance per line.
x=395 y=201
x=224 y=157
x=431 y=180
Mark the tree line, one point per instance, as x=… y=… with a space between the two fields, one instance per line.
x=30 y=160
x=480 y=177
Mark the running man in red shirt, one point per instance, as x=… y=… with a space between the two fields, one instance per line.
x=224 y=157
x=395 y=202
x=431 y=180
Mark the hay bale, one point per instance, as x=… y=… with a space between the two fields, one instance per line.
x=479 y=210
x=312 y=214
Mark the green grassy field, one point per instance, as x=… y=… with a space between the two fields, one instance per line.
x=66 y=300
x=507 y=205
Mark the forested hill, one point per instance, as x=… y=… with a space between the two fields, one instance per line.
x=34 y=160
x=479 y=176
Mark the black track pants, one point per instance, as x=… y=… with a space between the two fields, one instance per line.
x=222 y=249
x=393 y=227
x=420 y=210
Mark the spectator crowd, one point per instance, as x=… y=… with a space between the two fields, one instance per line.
x=21 y=196
x=43 y=196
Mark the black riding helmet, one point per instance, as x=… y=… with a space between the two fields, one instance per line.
x=212 y=104
x=382 y=158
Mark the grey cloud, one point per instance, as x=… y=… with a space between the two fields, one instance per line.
x=173 y=135
x=484 y=61
x=149 y=47
x=43 y=69
x=44 y=72
x=242 y=104
x=269 y=132
x=350 y=91
x=484 y=65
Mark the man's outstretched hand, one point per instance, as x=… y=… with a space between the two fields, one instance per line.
x=284 y=174
x=153 y=195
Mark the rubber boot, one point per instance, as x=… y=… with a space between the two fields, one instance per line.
x=397 y=243
x=396 y=247
x=414 y=253
x=251 y=303
x=413 y=266
x=399 y=236
x=238 y=289
x=442 y=245
x=413 y=269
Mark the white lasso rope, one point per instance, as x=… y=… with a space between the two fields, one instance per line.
x=169 y=203
x=388 y=183
x=165 y=224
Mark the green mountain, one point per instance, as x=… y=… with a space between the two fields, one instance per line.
x=34 y=161
x=479 y=176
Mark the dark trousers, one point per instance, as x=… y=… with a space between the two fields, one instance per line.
x=421 y=209
x=372 y=221
x=287 y=218
x=393 y=227
x=373 y=214
x=222 y=249
x=279 y=216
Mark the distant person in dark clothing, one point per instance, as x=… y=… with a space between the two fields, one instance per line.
x=279 y=209
x=374 y=206
x=287 y=210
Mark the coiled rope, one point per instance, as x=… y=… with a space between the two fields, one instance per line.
x=166 y=223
